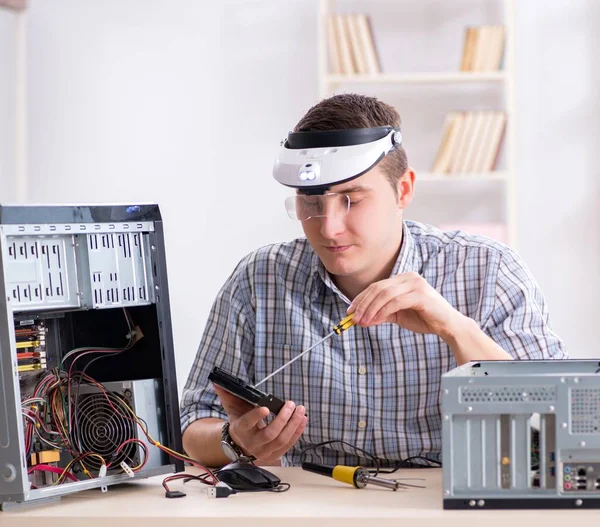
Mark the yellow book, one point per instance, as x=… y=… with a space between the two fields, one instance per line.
x=335 y=65
x=358 y=51
x=441 y=164
x=484 y=36
x=461 y=144
x=494 y=142
x=469 y=49
x=347 y=65
x=473 y=145
x=485 y=130
x=368 y=42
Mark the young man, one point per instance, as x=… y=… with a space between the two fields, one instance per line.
x=424 y=301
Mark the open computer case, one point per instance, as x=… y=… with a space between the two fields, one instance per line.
x=88 y=394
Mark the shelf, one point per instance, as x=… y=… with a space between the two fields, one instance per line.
x=418 y=78
x=489 y=176
x=447 y=84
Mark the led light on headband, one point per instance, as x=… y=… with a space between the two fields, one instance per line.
x=309 y=171
x=314 y=161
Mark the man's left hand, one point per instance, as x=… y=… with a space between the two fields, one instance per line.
x=409 y=301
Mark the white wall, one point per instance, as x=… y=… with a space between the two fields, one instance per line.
x=178 y=102
x=559 y=161
x=185 y=102
x=8 y=27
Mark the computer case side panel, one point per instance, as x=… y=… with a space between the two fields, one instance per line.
x=159 y=269
x=13 y=472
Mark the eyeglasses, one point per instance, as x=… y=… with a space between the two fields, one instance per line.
x=301 y=207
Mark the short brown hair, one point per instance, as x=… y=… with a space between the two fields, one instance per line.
x=350 y=110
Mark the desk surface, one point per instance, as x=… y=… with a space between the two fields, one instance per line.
x=311 y=498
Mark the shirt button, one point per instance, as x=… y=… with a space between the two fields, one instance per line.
x=362 y=370
x=361 y=424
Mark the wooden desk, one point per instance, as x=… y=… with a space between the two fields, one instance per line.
x=312 y=501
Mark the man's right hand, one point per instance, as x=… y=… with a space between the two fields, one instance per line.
x=268 y=443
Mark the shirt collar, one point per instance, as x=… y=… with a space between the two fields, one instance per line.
x=406 y=262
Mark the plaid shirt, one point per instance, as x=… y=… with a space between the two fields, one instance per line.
x=377 y=388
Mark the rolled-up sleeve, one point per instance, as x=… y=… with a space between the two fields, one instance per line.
x=228 y=342
x=519 y=321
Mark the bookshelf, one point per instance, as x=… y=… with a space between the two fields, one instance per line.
x=499 y=183
x=496 y=175
x=415 y=78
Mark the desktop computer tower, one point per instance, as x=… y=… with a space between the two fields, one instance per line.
x=88 y=393
x=521 y=434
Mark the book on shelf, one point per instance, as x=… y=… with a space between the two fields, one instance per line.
x=351 y=46
x=470 y=142
x=493 y=230
x=483 y=48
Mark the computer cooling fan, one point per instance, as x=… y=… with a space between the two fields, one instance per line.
x=103 y=423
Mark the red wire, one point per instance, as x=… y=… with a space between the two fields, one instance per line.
x=175 y=455
x=132 y=441
x=69 y=377
x=28 y=435
x=38 y=419
x=50 y=468
x=27 y=355
x=42 y=385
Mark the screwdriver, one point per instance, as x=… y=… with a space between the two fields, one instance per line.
x=358 y=477
x=343 y=325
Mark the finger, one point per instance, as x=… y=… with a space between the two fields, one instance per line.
x=274 y=428
x=357 y=300
x=362 y=301
x=384 y=297
x=288 y=430
x=277 y=449
x=251 y=419
x=293 y=439
x=399 y=303
x=261 y=424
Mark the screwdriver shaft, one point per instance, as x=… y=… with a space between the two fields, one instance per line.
x=294 y=359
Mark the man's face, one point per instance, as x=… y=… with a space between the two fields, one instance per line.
x=360 y=242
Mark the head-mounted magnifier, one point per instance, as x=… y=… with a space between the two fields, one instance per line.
x=315 y=161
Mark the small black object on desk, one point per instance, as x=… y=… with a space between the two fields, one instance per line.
x=243 y=475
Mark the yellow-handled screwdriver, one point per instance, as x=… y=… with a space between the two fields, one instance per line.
x=343 y=325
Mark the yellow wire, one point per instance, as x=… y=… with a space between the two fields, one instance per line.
x=28 y=344
x=29 y=367
x=151 y=439
x=72 y=462
x=57 y=407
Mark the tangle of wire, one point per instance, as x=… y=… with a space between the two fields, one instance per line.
x=51 y=416
x=424 y=461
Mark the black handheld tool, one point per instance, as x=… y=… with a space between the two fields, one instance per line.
x=245 y=391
